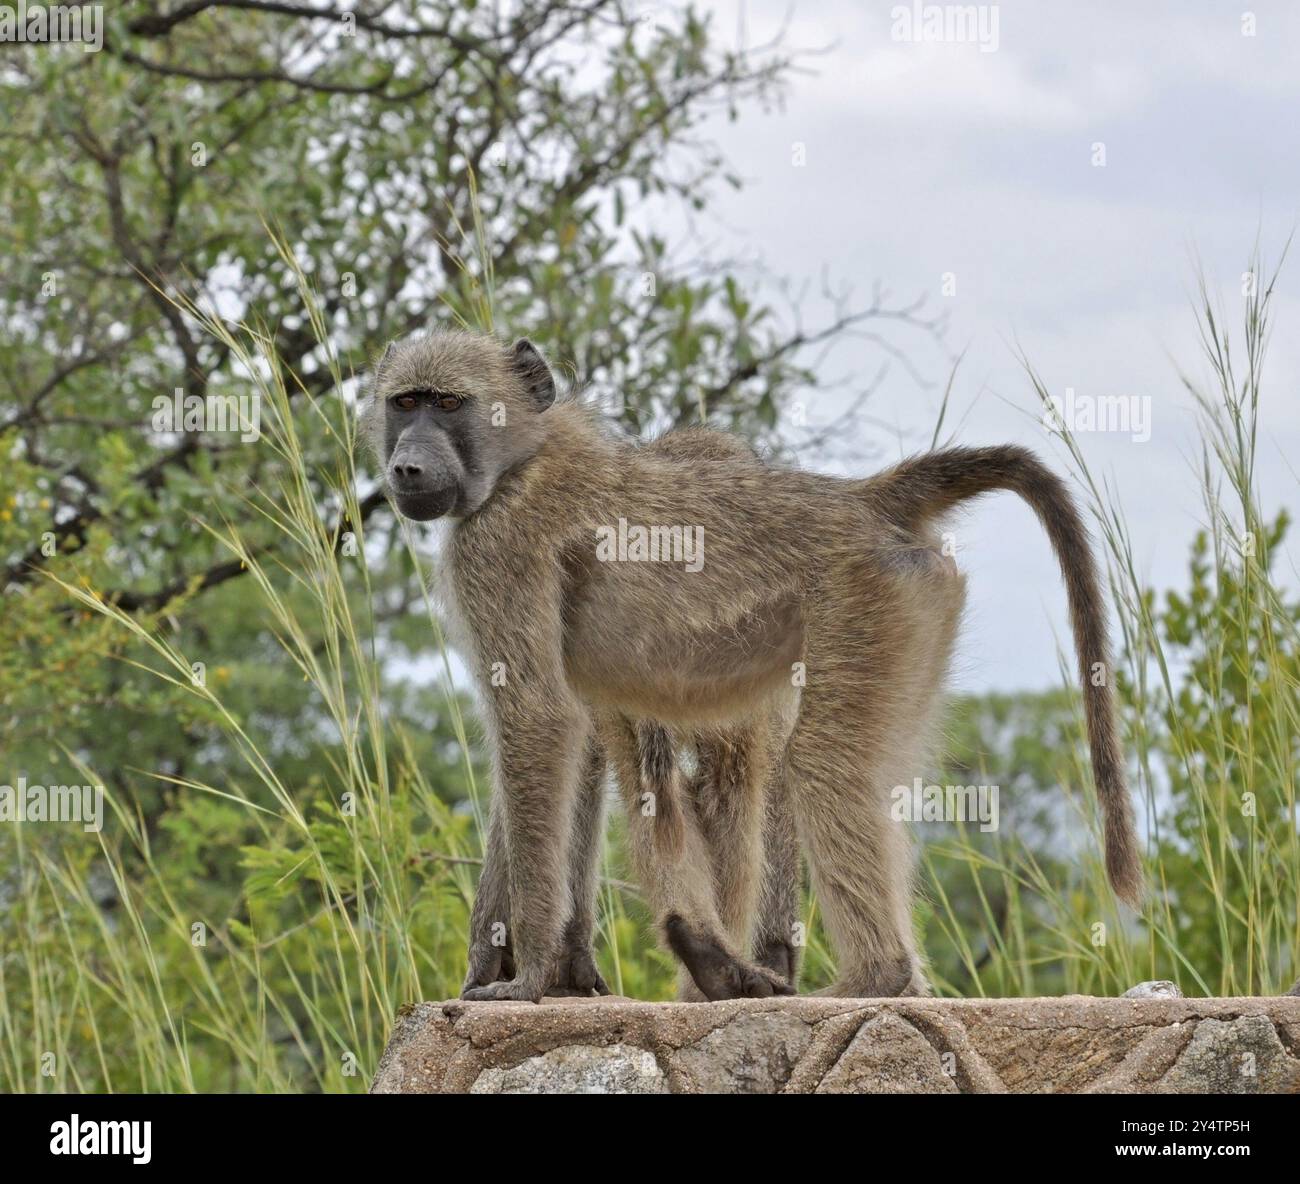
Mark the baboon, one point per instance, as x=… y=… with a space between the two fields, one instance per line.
x=831 y=585
x=731 y=780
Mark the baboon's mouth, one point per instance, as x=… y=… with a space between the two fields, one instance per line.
x=426 y=504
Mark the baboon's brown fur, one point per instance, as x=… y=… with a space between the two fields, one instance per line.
x=830 y=585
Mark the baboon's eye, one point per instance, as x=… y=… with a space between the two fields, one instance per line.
x=406 y=402
x=449 y=402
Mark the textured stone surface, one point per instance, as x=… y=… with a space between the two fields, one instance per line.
x=1147 y=1044
x=1241 y=1056
x=887 y=1055
x=578 y=1069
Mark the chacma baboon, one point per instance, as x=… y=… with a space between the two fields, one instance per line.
x=730 y=781
x=599 y=584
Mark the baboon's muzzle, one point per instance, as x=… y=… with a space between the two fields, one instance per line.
x=421 y=491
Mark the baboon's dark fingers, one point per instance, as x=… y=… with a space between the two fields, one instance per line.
x=516 y=990
x=757 y=982
x=705 y=958
x=487 y=964
x=577 y=973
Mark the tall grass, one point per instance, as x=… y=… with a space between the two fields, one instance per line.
x=355 y=900
x=349 y=860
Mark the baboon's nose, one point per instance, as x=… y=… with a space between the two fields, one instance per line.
x=407 y=470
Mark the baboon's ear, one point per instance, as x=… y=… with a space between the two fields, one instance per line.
x=385 y=358
x=528 y=363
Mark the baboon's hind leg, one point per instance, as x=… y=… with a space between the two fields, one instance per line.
x=778 y=933
x=673 y=864
x=726 y=794
x=877 y=655
x=748 y=823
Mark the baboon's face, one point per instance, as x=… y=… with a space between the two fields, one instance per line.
x=451 y=413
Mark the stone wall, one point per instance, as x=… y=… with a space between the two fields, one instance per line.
x=1075 y=1044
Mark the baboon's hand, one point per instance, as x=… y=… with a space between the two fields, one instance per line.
x=518 y=989
x=576 y=974
x=756 y=982
x=487 y=964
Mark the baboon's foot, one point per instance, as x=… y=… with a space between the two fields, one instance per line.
x=576 y=974
x=888 y=979
x=717 y=973
x=487 y=964
x=779 y=957
x=518 y=990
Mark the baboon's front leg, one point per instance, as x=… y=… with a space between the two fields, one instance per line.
x=539 y=730
x=540 y=733
x=576 y=973
x=538 y=771
x=490 y=956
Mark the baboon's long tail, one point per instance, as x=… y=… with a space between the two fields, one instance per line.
x=924 y=486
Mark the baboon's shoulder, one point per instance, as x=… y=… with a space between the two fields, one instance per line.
x=703 y=444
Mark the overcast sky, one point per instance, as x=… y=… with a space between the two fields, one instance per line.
x=926 y=158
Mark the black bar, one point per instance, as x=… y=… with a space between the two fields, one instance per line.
x=398 y=1135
